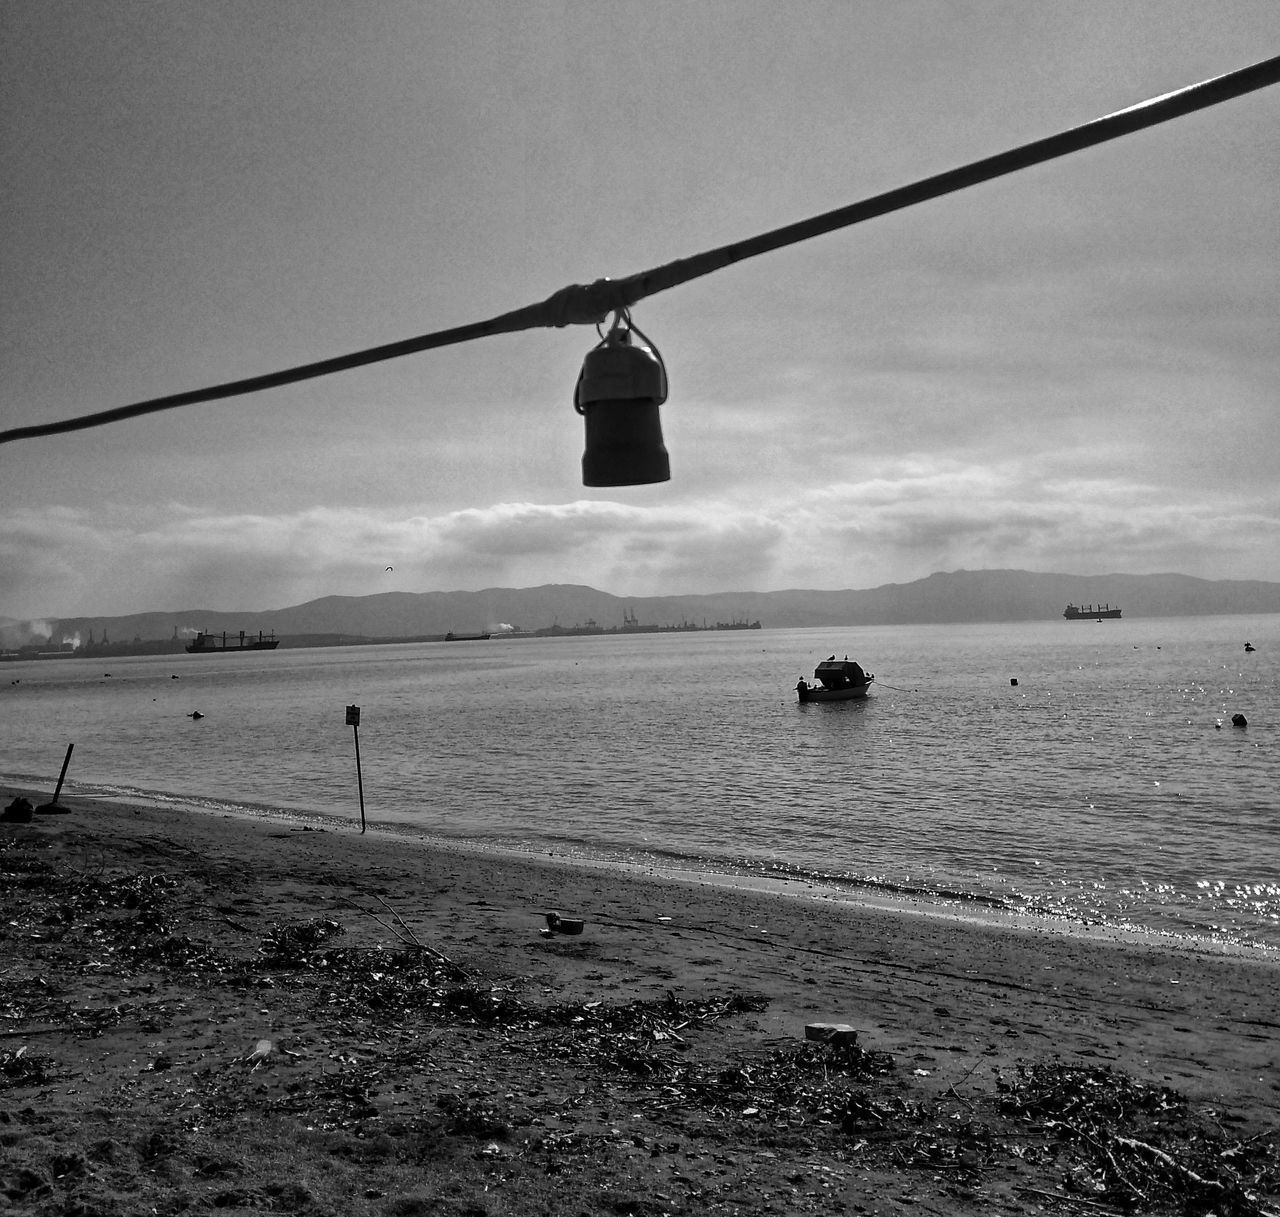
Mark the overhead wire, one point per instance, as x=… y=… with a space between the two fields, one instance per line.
x=581 y=304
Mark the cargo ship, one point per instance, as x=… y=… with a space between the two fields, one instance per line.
x=206 y=644
x=1089 y=612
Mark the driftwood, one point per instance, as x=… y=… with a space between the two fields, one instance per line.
x=1104 y=1111
x=1214 y=1186
x=406 y=937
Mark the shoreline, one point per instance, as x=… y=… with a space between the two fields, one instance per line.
x=891 y=916
x=960 y=1010
x=922 y=904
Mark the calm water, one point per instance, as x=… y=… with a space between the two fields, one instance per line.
x=1107 y=784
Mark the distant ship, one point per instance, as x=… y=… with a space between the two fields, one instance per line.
x=207 y=644
x=1089 y=612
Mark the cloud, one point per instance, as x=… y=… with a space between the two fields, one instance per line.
x=621 y=548
x=1030 y=516
x=1067 y=367
x=913 y=517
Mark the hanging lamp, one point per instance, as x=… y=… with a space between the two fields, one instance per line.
x=619 y=390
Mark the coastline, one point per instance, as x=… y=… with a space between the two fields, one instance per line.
x=957 y=1002
x=922 y=902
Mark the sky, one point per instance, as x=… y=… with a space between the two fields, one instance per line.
x=1072 y=369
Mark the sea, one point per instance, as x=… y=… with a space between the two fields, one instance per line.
x=1084 y=773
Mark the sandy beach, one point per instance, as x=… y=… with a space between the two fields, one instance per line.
x=201 y=1011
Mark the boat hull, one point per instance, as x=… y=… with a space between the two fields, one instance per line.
x=248 y=646
x=851 y=693
x=235 y=646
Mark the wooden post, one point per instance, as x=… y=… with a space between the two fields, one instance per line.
x=353 y=719
x=62 y=777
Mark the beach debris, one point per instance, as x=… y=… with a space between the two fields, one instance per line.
x=479 y=1121
x=23 y=1068
x=20 y=811
x=839 y=1034
x=290 y=945
x=399 y=929
x=1135 y=1142
x=258 y=1055
x=406 y=1052
x=562 y=925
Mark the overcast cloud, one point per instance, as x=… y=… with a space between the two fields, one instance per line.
x=1075 y=368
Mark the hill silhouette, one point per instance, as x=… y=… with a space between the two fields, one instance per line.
x=943 y=597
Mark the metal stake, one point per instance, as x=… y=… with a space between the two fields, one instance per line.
x=353 y=717
x=355 y=731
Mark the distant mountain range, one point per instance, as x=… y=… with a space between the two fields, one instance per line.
x=956 y=596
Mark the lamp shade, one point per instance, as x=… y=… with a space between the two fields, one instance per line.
x=619 y=390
